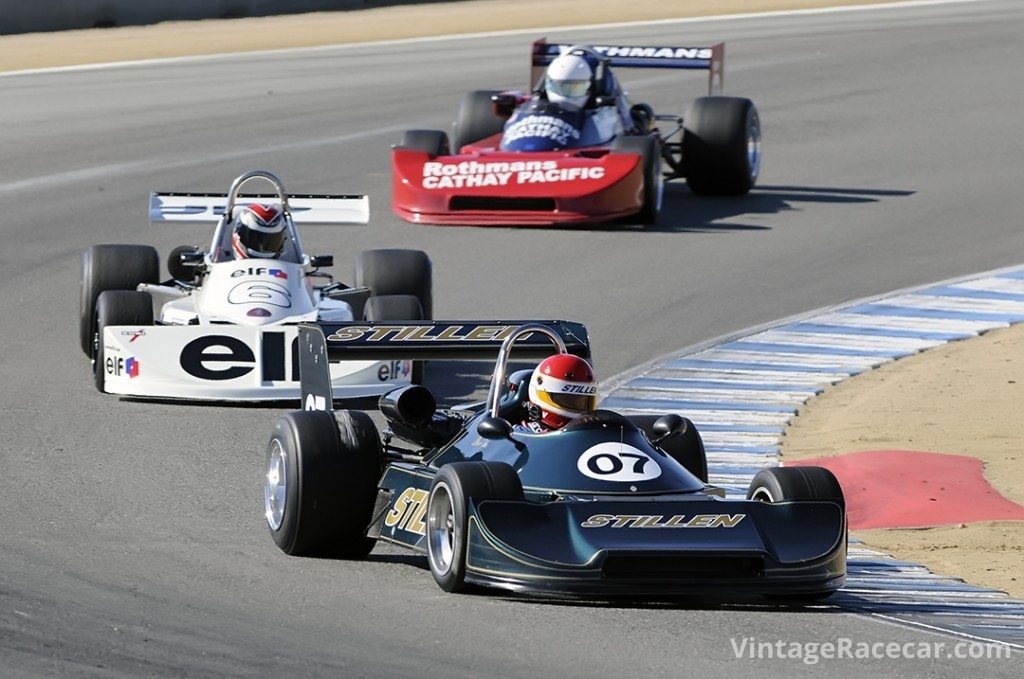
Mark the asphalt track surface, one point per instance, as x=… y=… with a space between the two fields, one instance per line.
x=133 y=541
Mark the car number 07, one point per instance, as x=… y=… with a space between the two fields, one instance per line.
x=617 y=462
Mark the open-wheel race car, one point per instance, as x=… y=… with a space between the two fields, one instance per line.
x=608 y=505
x=577 y=150
x=224 y=327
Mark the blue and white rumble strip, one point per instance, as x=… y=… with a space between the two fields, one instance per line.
x=742 y=391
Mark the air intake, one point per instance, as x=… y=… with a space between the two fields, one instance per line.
x=657 y=567
x=483 y=203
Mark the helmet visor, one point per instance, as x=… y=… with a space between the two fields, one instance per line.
x=568 y=88
x=262 y=241
x=574 y=403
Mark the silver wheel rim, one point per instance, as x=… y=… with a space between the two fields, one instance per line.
x=754 y=145
x=661 y=187
x=275 y=486
x=762 y=494
x=441 y=530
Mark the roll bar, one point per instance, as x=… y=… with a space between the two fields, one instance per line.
x=498 y=378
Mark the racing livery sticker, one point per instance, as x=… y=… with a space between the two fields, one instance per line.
x=260 y=271
x=659 y=521
x=544 y=127
x=470 y=173
x=408 y=511
x=263 y=292
x=612 y=461
x=119 y=367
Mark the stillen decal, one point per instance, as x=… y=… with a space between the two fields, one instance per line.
x=659 y=521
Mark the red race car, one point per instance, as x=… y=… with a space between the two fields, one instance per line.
x=575 y=149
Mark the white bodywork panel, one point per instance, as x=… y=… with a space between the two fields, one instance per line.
x=227 y=363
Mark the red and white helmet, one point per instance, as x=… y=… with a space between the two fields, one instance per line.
x=562 y=387
x=260 y=231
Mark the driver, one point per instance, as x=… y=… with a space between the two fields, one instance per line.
x=259 y=231
x=575 y=77
x=570 y=78
x=562 y=387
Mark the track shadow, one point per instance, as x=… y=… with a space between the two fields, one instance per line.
x=686 y=212
x=682 y=211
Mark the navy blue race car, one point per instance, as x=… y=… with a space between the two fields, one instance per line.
x=609 y=505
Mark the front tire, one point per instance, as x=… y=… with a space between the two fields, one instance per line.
x=448 y=509
x=475 y=119
x=721 y=146
x=111 y=267
x=650 y=160
x=796 y=484
x=117 y=307
x=321 y=483
x=432 y=142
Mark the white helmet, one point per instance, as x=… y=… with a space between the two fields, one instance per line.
x=568 y=80
x=260 y=231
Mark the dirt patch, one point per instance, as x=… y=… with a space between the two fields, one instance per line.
x=962 y=398
x=183 y=38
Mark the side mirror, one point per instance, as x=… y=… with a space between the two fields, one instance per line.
x=183 y=262
x=504 y=104
x=668 y=425
x=317 y=261
x=494 y=428
x=604 y=101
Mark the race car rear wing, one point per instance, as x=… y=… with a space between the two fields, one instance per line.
x=419 y=340
x=207 y=208
x=711 y=59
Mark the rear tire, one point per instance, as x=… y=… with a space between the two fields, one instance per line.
x=721 y=146
x=432 y=142
x=397 y=308
x=321 y=483
x=475 y=119
x=650 y=159
x=118 y=307
x=687 y=448
x=448 y=514
x=111 y=267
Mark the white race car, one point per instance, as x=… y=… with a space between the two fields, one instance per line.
x=225 y=329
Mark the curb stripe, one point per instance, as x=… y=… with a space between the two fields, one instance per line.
x=742 y=392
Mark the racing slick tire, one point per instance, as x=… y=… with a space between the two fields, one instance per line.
x=795 y=484
x=475 y=119
x=789 y=484
x=650 y=154
x=397 y=308
x=433 y=142
x=721 y=146
x=321 y=483
x=687 y=448
x=448 y=509
x=118 y=307
x=398 y=272
x=111 y=267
